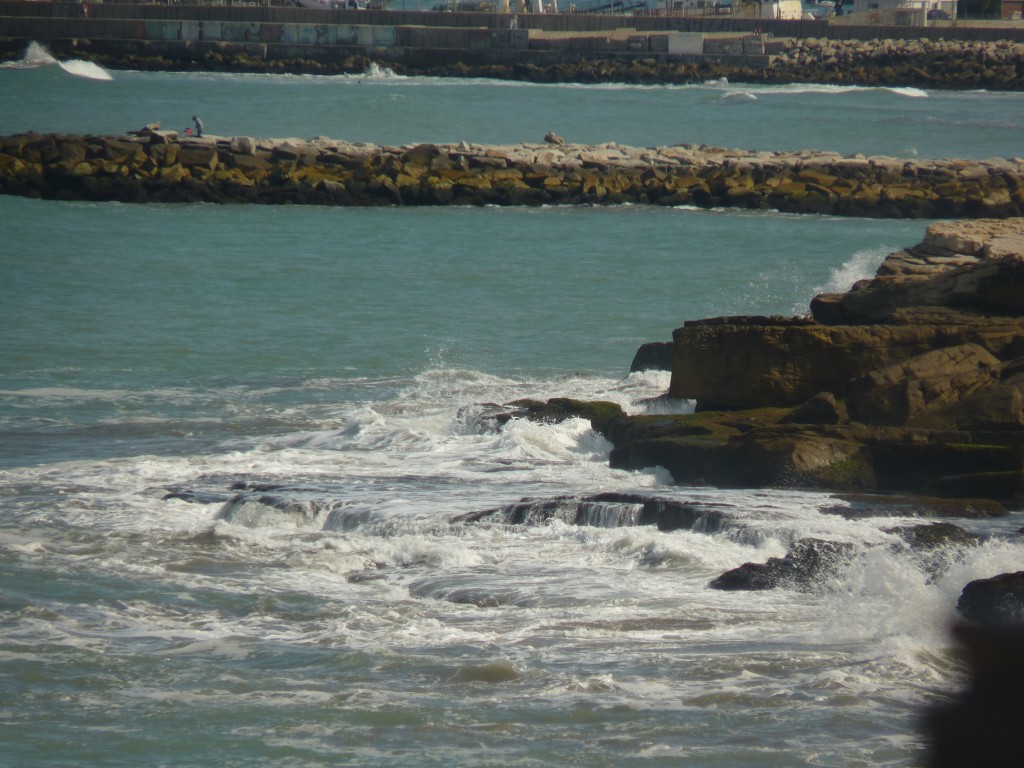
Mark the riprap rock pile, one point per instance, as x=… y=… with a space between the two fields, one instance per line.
x=156 y=166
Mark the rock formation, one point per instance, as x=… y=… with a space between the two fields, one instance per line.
x=995 y=601
x=980 y=726
x=912 y=381
x=158 y=166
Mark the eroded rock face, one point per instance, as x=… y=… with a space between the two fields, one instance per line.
x=753 y=362
x=903 y=392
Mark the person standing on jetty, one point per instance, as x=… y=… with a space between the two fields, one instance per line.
x=199 y=125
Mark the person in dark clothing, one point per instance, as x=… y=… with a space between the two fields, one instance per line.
x=199 y=125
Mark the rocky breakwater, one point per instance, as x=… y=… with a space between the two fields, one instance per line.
x=913 y=381
x=889 y=62
x=926 y=63
x=157 y=166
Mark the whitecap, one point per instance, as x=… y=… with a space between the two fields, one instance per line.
x=86 y=69
x=860 y=266
x=37 y=55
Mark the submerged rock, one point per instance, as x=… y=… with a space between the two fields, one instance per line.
x=608 y=510
x=804 y=566
x=811 y=563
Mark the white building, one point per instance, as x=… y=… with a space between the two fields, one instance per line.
x=930 y=9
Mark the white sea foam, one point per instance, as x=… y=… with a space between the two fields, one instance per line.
x=86 y=69
x=860 y=266
x=37 y=56
x=376 y=72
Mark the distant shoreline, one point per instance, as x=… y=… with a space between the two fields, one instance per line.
x=538 y=47
x=952 y=66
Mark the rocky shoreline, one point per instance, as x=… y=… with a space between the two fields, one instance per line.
x=913 y=382
x=903 y=396
x=158 y=166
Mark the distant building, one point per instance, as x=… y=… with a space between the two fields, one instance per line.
x=912 y=10
x=779 y=9
x=698 y=7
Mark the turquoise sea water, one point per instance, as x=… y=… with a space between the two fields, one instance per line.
x=233 y=439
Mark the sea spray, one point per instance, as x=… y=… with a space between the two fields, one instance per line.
x=37 y=55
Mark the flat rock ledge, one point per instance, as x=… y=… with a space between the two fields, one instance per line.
x=911 y=382
x=158 y=166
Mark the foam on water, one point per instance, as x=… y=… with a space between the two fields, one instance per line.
x=86 y=69
x=788 y=89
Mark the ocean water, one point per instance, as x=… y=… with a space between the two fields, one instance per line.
x=234 y=442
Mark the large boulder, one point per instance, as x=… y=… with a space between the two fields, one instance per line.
x=653 y=356
x=998 y=600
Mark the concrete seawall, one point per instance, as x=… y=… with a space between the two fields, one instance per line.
x=153 y=166
x=552 y=47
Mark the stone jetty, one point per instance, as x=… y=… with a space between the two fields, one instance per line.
x=150 y=165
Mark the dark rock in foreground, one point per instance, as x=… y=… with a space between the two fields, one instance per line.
x=981 y=725
x=998 y=600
